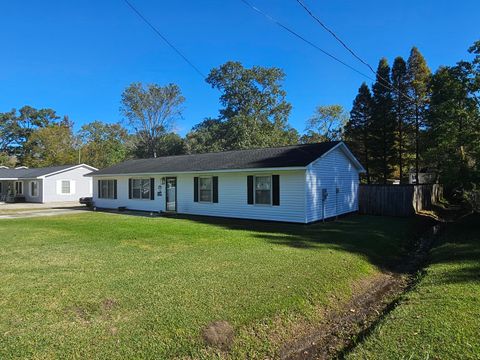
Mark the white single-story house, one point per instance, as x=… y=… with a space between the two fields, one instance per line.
x=44 y=185
x=300 y=183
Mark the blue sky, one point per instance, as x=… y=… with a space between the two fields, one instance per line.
x=77 y=57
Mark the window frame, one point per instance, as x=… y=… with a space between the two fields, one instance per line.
x=21 y=187
x=140 y=189
x=36 y=183
x=69 y=187
x=200 y=189
x=101 y=195
x=255 y=190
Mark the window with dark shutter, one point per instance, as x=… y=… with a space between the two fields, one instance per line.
x=276 y=190
x=195 y=189
x=215 y=188
x=129 y=188
x=250 y=189
x=107 y=189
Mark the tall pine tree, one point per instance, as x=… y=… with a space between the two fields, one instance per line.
x=401 y=104
x=453 y=128
x=418 y=79
x=357 y=130
x=383 y=124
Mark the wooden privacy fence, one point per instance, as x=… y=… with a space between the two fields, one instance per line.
x=397 y=200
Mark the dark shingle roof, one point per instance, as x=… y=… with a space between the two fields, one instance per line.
x=30 y=173
x=277 y=157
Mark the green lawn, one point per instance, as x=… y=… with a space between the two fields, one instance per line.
x=99 y=285
x=440 y=318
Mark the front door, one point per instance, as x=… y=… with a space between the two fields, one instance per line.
x=171 y=194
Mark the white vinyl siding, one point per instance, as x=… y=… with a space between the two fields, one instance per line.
x=50 y=189
x=300 y=192
x=331 y=172
x=232 y=197
x=65 y=187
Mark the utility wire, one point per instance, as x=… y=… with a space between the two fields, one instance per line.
x=390 y=87
x=335 y=36
x=164 y=39
x=305 y=40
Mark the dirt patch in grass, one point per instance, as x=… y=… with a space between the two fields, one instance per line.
x=373 y=299
x=338 y=327
x=88 y=312
x=108 y=304
x=219 y=334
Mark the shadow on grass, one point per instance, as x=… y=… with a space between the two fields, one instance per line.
x=384 y=241
x=459 y=246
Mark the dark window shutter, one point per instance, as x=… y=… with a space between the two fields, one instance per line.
x=276 y=190
x=152 y=189
x=129 y=188
x=114 y=189
x=250 y=189
x=99 y=189
x=195 y=189
x=215 y=189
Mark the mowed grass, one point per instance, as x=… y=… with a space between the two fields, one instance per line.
x=99 y=285
x=440 y=317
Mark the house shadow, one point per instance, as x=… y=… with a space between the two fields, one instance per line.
x=369 y=236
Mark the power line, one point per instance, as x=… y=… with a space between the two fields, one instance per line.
x=390 y=87
x=335 y=36
x=305 y=40
x=165 y=39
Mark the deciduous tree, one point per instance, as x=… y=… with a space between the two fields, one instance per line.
x=207 y=136
x=151 y=110
x=51 y=146
x=255 y=110
x=326 y=124
x=104 y=144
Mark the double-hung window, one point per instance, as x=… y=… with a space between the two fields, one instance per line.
x=106 y=189
x=18 y=188
x=263 y=190
x=65 y=187
x=141 y=189
x=205 y=189
x=34 y=188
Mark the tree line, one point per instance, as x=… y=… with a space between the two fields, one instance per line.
x=409 y=119
x=254 y=113
x=413 y=120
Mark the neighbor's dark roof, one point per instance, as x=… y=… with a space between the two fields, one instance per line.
x=286 y=156
x=30 y=173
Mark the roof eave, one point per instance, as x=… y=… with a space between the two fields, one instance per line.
x=286 y=168
x=67 y=169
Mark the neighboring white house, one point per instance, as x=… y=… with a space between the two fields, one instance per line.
x=301 y=183
x=43 y=185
